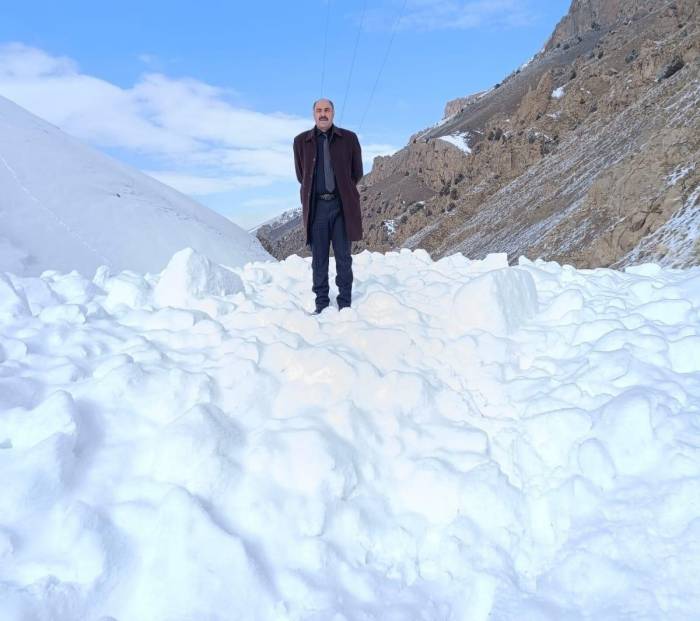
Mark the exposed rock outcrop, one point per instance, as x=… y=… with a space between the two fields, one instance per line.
x=588 y=154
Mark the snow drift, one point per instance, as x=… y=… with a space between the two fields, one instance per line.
x=470 y=441
x=66 y=206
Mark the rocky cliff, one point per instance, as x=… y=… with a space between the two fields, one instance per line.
x=588 y=154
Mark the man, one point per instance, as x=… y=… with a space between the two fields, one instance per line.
x=328 y=162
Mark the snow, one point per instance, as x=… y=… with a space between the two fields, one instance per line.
x=679 y=173
x=66 y=206
x=440 y=123
x=676 y=241
x=459 y=140
x=471 y=440
x=558 y=93
x=466 y=101
x=526 y=63
x=279 y=220
x=390 y=226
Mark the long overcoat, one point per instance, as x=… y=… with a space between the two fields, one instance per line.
x=346 y=158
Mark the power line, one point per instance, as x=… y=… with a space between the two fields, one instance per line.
x=352 y=63
x=386 y=55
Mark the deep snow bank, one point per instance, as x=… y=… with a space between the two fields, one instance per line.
x=470 y=441
x=66 y=206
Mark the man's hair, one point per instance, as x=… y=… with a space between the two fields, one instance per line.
x=323 y=99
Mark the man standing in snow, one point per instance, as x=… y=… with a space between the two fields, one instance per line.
x=328 y=162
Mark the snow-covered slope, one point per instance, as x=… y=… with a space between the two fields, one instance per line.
x=65 y=206
x=279 y=220
x=470 y=441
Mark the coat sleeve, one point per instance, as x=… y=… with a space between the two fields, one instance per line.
x=356 y=161
x=298 y=161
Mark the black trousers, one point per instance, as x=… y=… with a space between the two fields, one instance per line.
x=328 y=227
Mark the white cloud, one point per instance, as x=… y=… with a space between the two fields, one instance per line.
x=257 y=211
x=201 y=142
x=22 y=61
x=425 y=15
x=185 y=133
x=201 y=185
x=147 y=59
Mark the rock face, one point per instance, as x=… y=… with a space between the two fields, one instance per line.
x=589 y=154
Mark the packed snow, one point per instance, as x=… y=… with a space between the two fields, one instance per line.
x=558 y=93
x=469 y=441
x=459 y=140
x=66 y=206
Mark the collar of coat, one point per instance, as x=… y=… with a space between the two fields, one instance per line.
x=335 y=131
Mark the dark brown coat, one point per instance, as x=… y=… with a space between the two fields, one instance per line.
x=346 y=158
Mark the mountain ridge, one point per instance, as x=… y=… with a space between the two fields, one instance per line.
x=609 y=105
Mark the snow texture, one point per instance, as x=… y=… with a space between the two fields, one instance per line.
x=526 y=63
x=279 y=220
x=65 y=206
x=678 y=237
x=469 y=441
x=558 y=93
x=459 y=140
x=680 y=172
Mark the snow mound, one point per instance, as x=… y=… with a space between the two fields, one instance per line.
x=12 y=302
x=470 y=440
x=66 y=206
x=190 y=275
x=507 y=298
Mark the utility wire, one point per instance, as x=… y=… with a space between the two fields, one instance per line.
x=352 y=63
x=381 y=68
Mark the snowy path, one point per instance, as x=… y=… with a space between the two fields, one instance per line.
x=470 y=441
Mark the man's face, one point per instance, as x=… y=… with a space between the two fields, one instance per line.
x=323 y=114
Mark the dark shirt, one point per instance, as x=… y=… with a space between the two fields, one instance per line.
x=320 y=176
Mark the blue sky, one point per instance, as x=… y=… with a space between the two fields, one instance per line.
x=207 y=96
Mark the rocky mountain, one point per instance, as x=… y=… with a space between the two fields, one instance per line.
x=279 y=226
x=587 y=154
